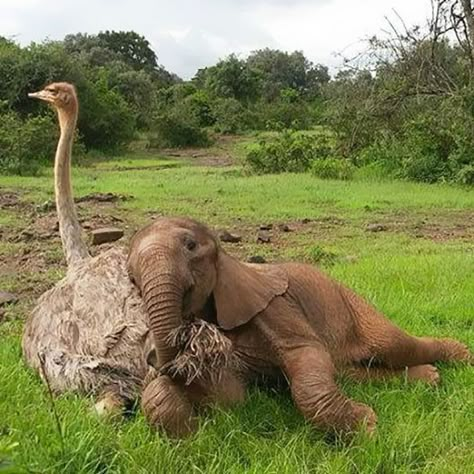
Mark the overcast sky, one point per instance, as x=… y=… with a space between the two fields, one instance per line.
x=187 y=35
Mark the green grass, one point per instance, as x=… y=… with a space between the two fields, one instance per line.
x=423 y=283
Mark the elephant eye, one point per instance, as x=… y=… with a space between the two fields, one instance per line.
x=190 y=244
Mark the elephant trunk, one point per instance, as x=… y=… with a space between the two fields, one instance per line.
x=163 y=294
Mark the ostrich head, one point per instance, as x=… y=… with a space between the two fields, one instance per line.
x=61 y=95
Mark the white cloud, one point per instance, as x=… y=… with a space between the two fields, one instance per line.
x=190 y=34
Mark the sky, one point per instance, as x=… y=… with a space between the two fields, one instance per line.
x=187 y=34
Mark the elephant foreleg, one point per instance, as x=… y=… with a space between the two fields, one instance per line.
x=311 y=374
x=166 y=406
x=227 y=391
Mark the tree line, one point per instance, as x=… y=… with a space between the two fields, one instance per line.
x=403 y=108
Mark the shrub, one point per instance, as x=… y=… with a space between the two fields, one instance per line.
x=465 y=175
x=106 y=121
x=281 y=114
x=176 y=130
x=289 y=151
x=230 y=116
x=333 y=168
x=199 y=106
x=26 y=145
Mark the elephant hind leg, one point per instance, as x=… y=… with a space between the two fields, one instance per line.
x=383 y=341
x=311 y=373
x=396 y=349
x=426 y=373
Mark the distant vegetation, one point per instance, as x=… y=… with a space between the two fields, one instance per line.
x=404 y=109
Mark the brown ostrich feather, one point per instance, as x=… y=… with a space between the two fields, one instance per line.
x=204 y=352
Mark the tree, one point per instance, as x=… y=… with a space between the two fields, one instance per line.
x=134 y=49
x=280 y=70
x=230 y=78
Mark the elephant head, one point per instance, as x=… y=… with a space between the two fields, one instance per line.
x=182 y=272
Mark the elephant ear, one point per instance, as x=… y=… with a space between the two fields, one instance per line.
x=244 y=290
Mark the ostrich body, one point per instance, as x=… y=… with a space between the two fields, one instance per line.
x=90 y=332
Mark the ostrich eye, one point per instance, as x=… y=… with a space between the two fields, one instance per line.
x=190 y=244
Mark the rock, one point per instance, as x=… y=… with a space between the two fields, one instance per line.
x=263 y=237
x=226 y=236
x=266 y=227
x=376 y=228
x=106 y=234
x=7 y=298
x=284 y=228
x=256 y=259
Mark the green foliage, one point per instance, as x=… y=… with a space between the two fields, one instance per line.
x=279 y=70
x=288 y=151
x=106 y=121
x=230 y=78
x=199 y=106
x=177 y=129
x=26 y=144
x=231 y=116
x=333 y=168
x=282 y=114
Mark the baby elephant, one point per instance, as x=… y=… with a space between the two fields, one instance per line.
x=287 y=319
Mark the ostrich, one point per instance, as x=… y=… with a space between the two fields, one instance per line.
x=90 y=332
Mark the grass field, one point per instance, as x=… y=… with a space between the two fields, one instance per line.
x=419 y=269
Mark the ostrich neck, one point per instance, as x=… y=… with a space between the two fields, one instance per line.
x=69 y=227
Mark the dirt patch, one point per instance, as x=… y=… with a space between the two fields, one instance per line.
x=219 y=155
x=103 y=197
x=438 y=225
x=11 y=200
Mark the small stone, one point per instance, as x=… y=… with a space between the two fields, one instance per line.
x=284 y=228
x=263 y=237
x=266 y=227
x=256 y=259
x=376 y=228
x=105 y=235
x=226 y=236
x=305 y=220
x=7 y=298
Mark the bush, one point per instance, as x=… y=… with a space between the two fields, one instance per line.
x=289 y=151
x=176 y=130
x=230 y=116
x=26 y=145
x=465 y=175
x=333 y=168
x=106 y=121
x=281 y=114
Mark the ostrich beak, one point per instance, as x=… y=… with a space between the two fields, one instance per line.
x=42 y=95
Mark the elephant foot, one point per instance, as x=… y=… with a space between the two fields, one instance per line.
x=362 y=417
x=426 y=373
x=455 y=351
x=166 y=407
